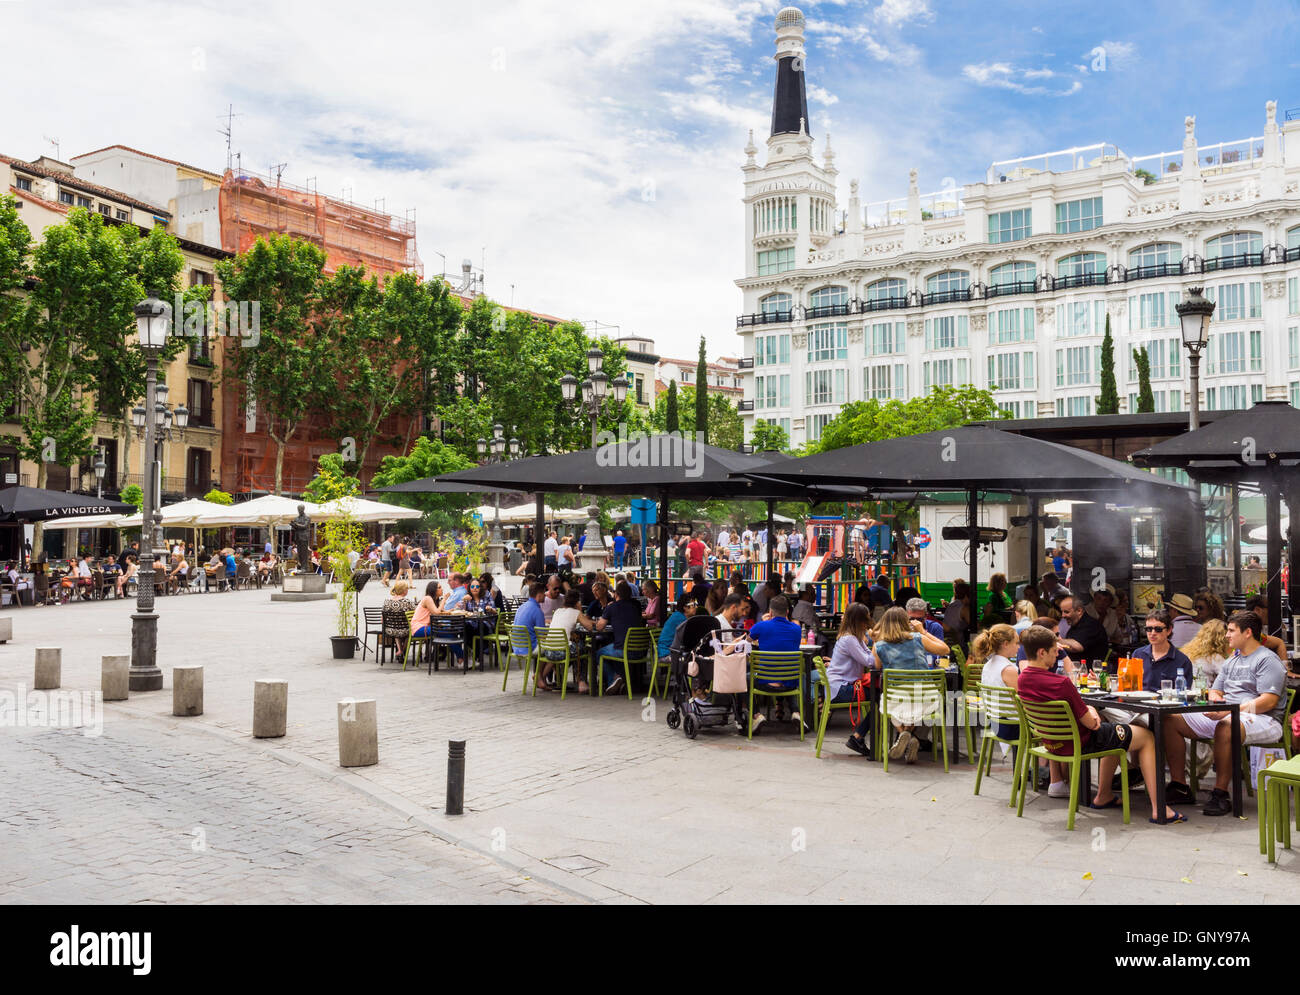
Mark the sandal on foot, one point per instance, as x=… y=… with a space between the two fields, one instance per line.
x=1176 y=817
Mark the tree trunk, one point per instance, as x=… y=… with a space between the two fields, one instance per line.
x=38 y=530
x=279 y=465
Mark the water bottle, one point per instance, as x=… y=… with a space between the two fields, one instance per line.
x=1180 y=686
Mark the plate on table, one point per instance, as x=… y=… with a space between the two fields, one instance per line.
x=1138 y=695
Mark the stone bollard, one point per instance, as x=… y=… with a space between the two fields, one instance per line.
x=115 y=678
x=49 y=668
x=6 y=629
x=358 y=732
x=187 y=689
x=270 y=708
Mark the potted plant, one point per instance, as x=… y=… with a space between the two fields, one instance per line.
x=338 y=538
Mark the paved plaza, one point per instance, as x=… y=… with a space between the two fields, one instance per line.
x=580 y=800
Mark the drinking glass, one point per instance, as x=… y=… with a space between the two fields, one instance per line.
x=1167 y=690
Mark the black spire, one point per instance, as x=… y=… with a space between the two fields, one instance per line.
x=790 y=101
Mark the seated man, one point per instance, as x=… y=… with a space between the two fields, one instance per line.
x=85 y=577
x=776 y=633
x=1253 y=677
x=1038 y=681
x=1083 y=636
x=918 y=609
x=804 y=612
x=768 y=590
x=1258 y=604
x=619 y=617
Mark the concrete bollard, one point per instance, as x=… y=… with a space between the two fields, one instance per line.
x=358 y=732
x=187 y=689
x=115 y=677
x=270 y=708
x=49 y=668
x=6 y=629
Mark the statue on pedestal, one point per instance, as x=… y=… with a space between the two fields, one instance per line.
x=302 y=539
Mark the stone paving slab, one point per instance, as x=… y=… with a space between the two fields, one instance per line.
x=657 y=817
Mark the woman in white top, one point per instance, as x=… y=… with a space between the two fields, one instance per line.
x=992 y=649
x=566 y=618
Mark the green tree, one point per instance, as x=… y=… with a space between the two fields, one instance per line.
x=331 y=480
x=671 y=421
x=133 y=494
x=1108 y=402
x=290 y=373
x=427 y=458
x=870 y=421
x=768 y=436
x=218 y=496
x=1145 y=400
x=702 y=394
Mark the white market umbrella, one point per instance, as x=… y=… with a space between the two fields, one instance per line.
x=520 y=514
x=1259 y=534
x=90 y=522
x=365 y=510
x=267 y=511
x=181 y=514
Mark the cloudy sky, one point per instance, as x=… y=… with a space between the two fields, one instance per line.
x=589 y=150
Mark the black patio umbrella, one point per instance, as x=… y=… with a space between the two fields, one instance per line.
x=1259 y=445
x=432 y=485
x=976 y=458
x=665 y=467
x=37 y=504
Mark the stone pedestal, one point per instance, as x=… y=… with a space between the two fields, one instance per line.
x=49 y=668
x=115 y=677
x=6 y=629
x=187 y=689
x=304 y=584
x=358 y=732
x=270 y=708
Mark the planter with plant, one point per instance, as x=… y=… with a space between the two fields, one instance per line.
x=338 y=538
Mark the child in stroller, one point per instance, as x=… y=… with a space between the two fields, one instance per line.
x=699 y=639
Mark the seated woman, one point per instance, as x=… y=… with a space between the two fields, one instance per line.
x=1025 y=615
x=127 y=574
x=567 y=618
x=651 y=591
x=417 y=561
x=901 y=643
x=850 y=659
x=394 y=614
x=429 y=607
x=992 y=650
x=998 y=607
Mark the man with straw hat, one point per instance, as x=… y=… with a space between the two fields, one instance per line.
x=1186 y=627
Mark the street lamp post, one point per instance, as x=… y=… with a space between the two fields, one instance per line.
x=493 y=452
x=595 y=390
x=1194 y=314
x=100 y=469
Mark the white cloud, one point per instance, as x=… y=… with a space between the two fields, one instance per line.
x=1118 y=54
x=1005 y=76
x=901 y=11
x=820 y=95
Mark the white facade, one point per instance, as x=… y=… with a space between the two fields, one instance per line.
x=1007 y=283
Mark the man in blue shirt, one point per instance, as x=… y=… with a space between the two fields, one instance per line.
x=530 y=614
x=231 y=570
x=458 y=592
x=620 y=547
x=777 y=634
x=1161 y=660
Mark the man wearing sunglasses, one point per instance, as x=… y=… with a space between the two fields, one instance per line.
x=1161 y=660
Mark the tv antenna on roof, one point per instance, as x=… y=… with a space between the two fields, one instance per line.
x=228 y=130
x=55 y=143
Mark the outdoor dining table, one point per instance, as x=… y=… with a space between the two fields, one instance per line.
x=1157 y=710
x=952 y=677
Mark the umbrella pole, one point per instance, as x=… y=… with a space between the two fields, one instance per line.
x=1236 y=539
x=1273 y=516
x=972 y=511
x=539 y=526
x=771 y=540
x=663 y=558
x=1034 y=543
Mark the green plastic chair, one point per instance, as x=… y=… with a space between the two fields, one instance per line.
x=773 y=666
x=556 y=640
x=522 y=647
x=659 y=664
x=1276 y=782
x=636 y=644
x=412 y=638
x=500 y=638
x=971 y=673
x=823 y=706
x=910 y=688
x=998 y=705
x=958 y=654
x=1053 y=720
x=1286 y=744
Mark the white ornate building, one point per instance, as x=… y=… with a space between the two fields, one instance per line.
x=1008 y=283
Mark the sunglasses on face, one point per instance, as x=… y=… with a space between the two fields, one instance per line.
x=1155 y=628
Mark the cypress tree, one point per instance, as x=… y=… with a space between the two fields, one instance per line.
x=702 y=396
x=1145 y=401
x=1108 y=402
x=670 y=409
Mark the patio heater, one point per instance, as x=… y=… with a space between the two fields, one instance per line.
x=1194 y=314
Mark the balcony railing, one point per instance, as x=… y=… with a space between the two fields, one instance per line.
x=1154 y=270
x=745 y=406
x=946 y=297
x=201 y=418
x=1079 y=280
x=1292 y=254
x=884 y=304
x=764 y=318
x=826 y=311
x=746 y=363
x=1010 y=287
x=1240 y=261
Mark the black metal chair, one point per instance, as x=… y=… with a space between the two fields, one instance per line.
x=374 y=627
x=447 y=633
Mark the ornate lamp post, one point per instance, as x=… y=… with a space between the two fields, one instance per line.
x=1194 y=313
x=494 y=452
x=595 y=390
x=100 y=469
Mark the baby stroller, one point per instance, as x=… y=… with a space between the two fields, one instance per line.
x=691 y=713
